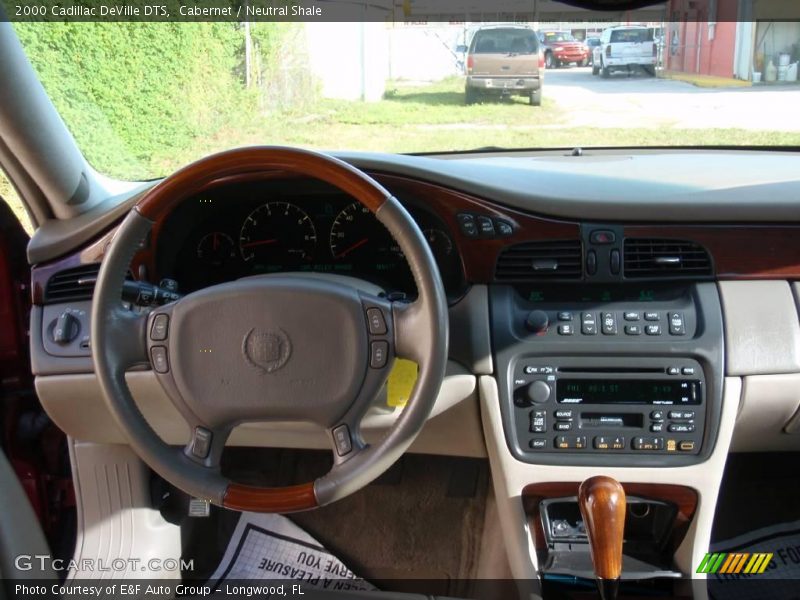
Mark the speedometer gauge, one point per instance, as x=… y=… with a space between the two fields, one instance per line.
x=356 y=235
x=278 y=235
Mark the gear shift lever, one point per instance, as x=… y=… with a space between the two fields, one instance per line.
x=602 y=503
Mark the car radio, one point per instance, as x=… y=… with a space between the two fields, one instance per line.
x=563 y=405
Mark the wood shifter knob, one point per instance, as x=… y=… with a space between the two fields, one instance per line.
x=602 y=503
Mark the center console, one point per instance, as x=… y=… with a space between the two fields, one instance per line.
x=628 y=377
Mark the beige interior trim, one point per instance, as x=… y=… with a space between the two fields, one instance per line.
x=510 y=476
x=116 y=524
x=762 y=330
x=769 y=402
x=76 y=405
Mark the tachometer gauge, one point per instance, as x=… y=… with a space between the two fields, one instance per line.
x=279 y=235
x=216 y=249
x=440 y=243
x=356 y=235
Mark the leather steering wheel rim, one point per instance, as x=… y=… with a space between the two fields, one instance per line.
x=418 y=331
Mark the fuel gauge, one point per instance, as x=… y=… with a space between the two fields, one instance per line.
x=216 y=248
x=440 y=243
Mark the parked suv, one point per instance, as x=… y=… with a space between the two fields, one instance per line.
x=560 y=48
x=504 y=60
x=625 y=49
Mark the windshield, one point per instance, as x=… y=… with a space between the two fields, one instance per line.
x=143 y=99
x=558 y=36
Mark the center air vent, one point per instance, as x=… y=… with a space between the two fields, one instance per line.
x=72 y=284
x=662 y=258
x=534 y=261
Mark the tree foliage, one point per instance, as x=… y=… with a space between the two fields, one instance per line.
x=134 y=94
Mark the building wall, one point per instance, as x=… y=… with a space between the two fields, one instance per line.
x=701 y=39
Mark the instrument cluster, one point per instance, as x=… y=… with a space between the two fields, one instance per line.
x=276 y=226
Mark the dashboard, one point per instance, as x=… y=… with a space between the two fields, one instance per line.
x=236 y=230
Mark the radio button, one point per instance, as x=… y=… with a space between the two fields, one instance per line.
x=539 y=392
x=686 y=446
x=538 y=444
x=681 y=428
x=609 y=323
x=673 y=371
x=570 y=442
x=564 y=413
x=688 y=370
x=652 y=316
x=633 y=330
x=563 y=426
x=631 y=316
x=648 y=443
x=657 y=427
x=538 y=421
x=657 y=415
x=681 y=415
x=601 y=442
x=653 y=329
x=618 y=443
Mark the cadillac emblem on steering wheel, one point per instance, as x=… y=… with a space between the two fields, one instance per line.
x=267 y=350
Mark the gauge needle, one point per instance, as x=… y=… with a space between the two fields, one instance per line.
x=347 y=251
x=259 y=243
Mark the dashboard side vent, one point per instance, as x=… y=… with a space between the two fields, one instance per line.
x=665 y=258
x=72 y=284
x=546 y=259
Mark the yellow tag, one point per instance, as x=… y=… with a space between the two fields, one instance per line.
x=401 y=382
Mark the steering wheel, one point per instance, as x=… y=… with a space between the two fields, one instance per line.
x=271 y=348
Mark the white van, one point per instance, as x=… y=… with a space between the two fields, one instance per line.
x=625 y=49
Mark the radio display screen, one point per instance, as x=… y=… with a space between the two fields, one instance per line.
x=630 y=391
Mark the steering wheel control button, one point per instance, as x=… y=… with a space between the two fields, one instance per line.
x=609 y=323
x=539 y=392
x=201 y=444
x=160 y=328
x=378 y=354
x=537 y=322
x=377 y=324
x=467 y=224
x=676 y=324
x=158 y=356
x=341 y=438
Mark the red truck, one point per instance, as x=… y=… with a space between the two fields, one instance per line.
x=560 y=48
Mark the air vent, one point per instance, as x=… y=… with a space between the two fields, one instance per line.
x=533 y=261
x=657 y=258
x=72 y=284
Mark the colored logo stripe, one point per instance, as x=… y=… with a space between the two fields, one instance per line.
x=734 y=563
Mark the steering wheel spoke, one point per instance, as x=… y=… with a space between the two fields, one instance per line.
x=126 y=339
